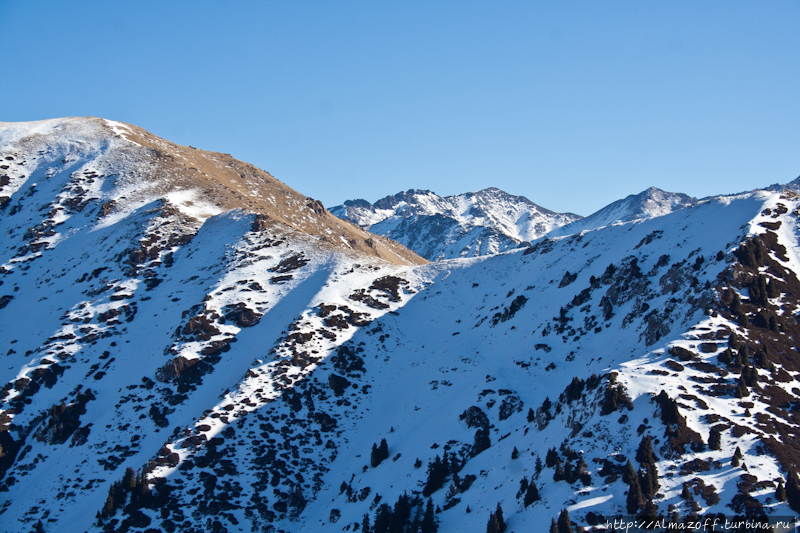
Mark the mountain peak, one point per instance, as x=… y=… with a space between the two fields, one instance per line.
x=652 y=202
x=138 y=168
x=443 y=227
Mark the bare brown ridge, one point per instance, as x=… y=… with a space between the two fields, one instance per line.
x=230 y=184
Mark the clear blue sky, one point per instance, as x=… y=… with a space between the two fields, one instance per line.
x=573 y=104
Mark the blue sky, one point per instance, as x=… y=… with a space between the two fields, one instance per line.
x=572 y=104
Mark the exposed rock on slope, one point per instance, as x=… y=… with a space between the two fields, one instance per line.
x=464 y=225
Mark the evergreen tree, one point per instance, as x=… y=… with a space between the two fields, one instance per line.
x=383 y=449
x=496 y=523
x=761 y=357
x=635 y=500
x=733 y=340
x=553 y=526
x=648 y=481
x=129 y=479
x=551 y=458
x=379 y=453
x=780 y=492
x=629 y=473
x=109 y=508
x=120 y=495
x=715 y=438
x=538 y=466
x=653 y=475
x=373 y=456
x=365 y=527
x=649 y=511
x=383 y=518
x=580 y=468
x=454 y=465
x=793 y=491
x=499 y=515
x=558 y=475
x=737 y=457
x=514 y=453
x=491 y=525
x=569 y=472
x=546 y=405
x=574 y=390
x=531 y=494
x=564 y=524
x=744 y=353
x=669 y=409
x=437 y=473
x=645 y=454
x=481 y=441
x=750 y=375
x=758 y=291
x=736 y=304
x=401 y=514
x=741 y=387
x=428 y=522
x=772 y=289
x=143 y=488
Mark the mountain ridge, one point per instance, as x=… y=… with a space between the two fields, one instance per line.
x=175 y=365
x=463 y=225
x=188 y=176
x=652 y=202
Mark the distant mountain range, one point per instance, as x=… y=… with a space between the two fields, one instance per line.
x=464 y=225
x=489 y=221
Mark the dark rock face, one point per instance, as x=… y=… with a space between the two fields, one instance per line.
x=241 y=315
x=474 y=417
x=338 y=383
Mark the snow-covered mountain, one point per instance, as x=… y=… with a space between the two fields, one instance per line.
x=445 y=227
x=195 y=363
x=650 y=203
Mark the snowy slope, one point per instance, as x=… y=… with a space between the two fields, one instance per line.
x=465 y=225
x=118 y=273
x=246 y=370
x=452 y=349
x=652 y=202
